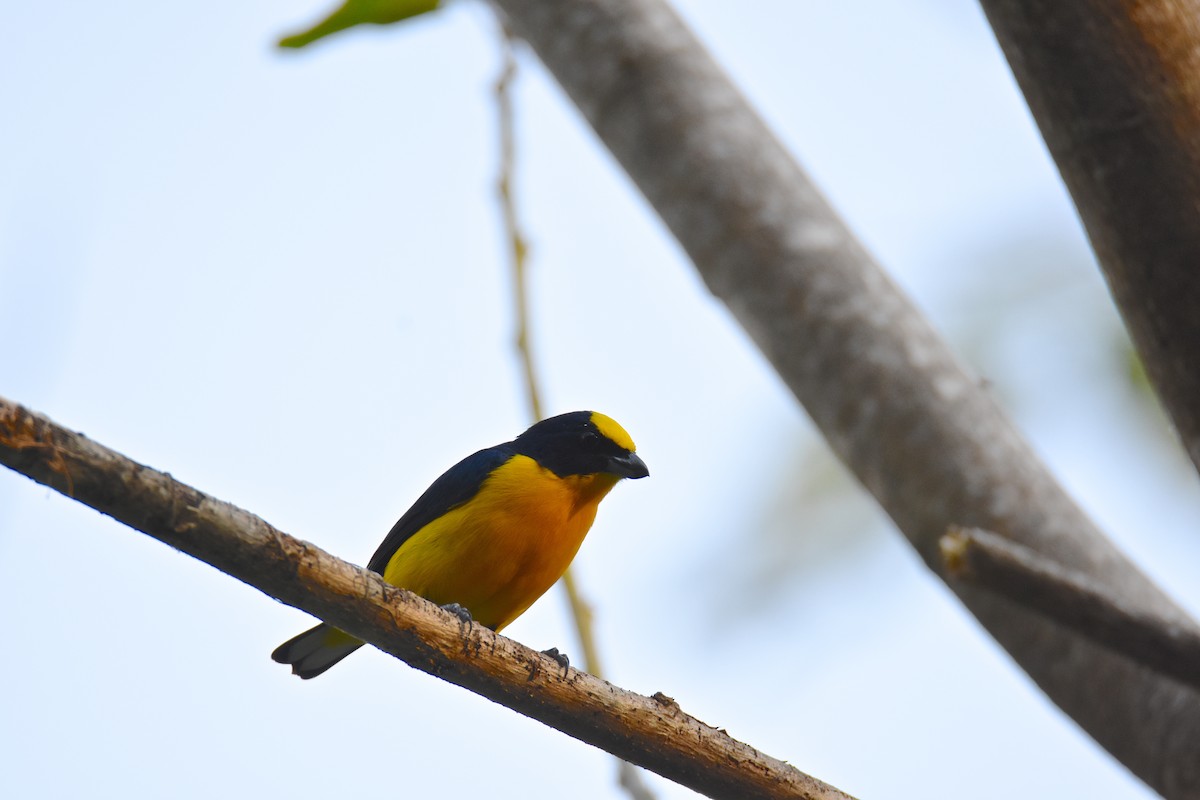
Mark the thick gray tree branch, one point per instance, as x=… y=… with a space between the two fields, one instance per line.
x=652 y=732
x=1115 y=88
x=919 y=432
x=1000 y=565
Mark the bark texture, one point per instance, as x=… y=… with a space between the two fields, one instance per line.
x=919 y=432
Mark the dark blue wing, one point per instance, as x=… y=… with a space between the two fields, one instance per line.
x=456 y=486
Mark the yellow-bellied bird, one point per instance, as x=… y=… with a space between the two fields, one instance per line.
x=495 y=531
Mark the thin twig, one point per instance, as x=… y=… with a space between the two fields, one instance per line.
x=518 y=248
x=581 y=612
x=992 y=562
x=580 y=609
x=518 y=255
x=630 y=779
x=652 y=732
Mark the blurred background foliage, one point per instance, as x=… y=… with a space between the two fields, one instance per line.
x=1021 y=298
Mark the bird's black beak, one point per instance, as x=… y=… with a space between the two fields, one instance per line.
x=629 y=465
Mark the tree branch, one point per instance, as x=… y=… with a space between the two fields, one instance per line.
x=919 y=432
x=992 y=562
x=652 y=732
x=1115 y=88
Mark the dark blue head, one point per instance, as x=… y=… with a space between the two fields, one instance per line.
x=582 y=443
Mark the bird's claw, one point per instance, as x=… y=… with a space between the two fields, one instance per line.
x=559 y=658
x=464 y=616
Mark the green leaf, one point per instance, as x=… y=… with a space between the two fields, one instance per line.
x=360 y=12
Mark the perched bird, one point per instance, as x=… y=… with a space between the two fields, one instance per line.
x=494 y=532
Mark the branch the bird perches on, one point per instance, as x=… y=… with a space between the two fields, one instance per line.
x=652 y=732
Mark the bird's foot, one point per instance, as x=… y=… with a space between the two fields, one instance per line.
x=559 y=658
x=464 y=616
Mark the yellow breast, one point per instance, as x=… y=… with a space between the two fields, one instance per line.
x=499 y=552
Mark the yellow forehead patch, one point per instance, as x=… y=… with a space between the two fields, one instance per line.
x=608 y=427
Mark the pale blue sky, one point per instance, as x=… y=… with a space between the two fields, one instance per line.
x=281 y=278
